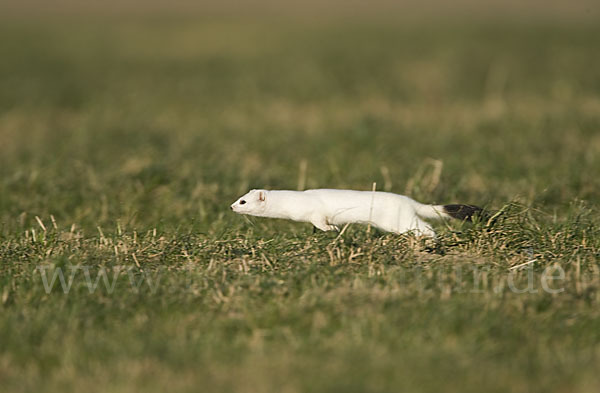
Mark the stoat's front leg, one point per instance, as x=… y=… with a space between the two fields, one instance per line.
x=322 y=224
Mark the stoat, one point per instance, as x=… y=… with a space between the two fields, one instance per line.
x=328 y=209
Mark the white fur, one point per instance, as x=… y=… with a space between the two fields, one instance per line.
x=328 y=209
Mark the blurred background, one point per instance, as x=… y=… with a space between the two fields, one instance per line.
x=534 y=10
x=153 y=111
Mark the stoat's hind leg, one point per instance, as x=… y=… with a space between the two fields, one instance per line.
x=422 y=228
x=417 y=227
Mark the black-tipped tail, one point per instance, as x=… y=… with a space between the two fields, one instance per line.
x=463 y=212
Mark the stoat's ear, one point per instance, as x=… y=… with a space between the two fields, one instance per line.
x=261 y=196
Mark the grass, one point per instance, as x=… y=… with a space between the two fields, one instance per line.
x=124 y=140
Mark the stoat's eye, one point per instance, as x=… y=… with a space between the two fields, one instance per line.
x=242 y=202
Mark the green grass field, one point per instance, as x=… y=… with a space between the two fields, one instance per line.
x=123 y=140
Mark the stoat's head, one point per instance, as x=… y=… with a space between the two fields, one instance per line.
x=253 y=203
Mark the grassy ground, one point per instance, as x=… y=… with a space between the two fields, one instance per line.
x=122 y=145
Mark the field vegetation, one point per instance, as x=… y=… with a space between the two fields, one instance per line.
x=125 y=138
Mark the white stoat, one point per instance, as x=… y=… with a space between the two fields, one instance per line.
x=327 y=209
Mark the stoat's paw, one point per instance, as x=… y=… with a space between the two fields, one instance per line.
x=324 y=226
